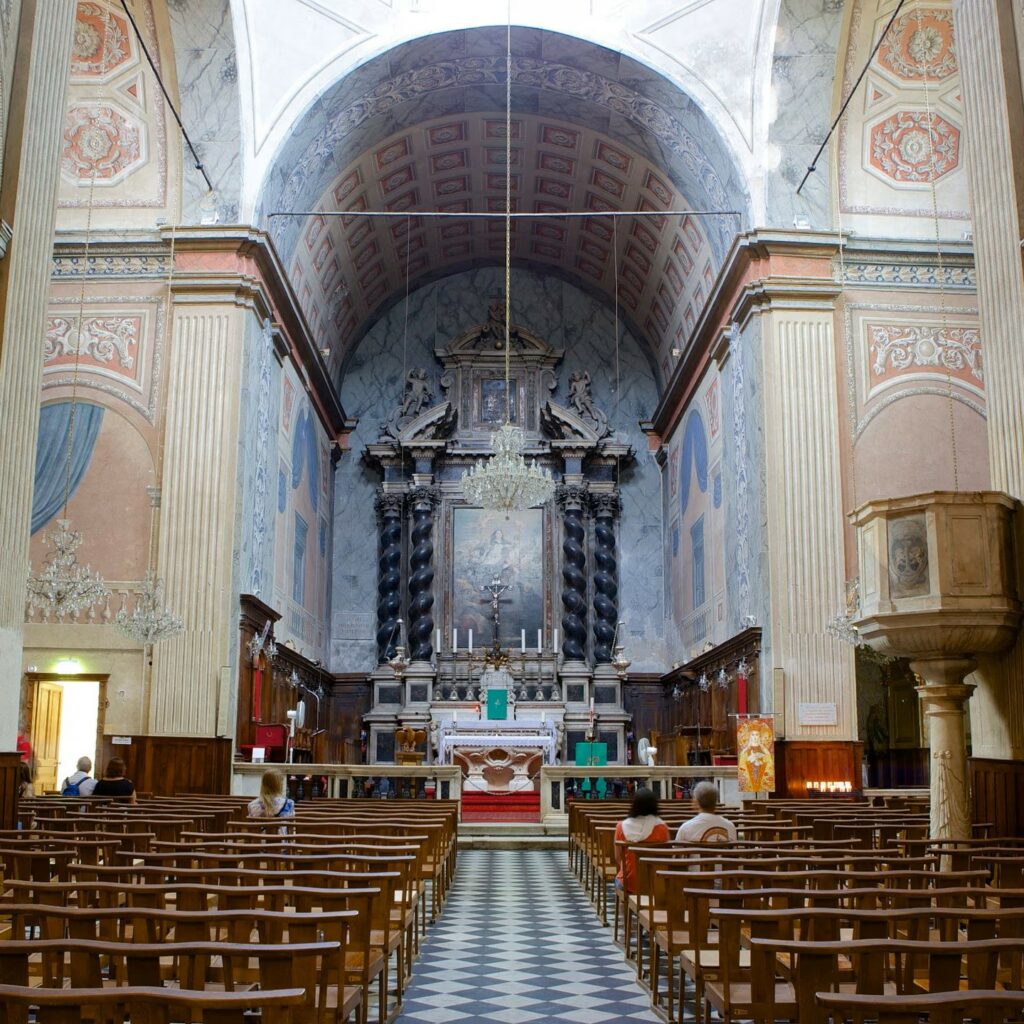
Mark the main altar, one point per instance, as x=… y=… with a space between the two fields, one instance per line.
x=497 y=634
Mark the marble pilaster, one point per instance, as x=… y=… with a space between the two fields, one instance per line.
x=28 y=203
x=990 y=68
x=805 y=513
x=191 y=673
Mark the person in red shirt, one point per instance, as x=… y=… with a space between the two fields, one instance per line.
x=642 y=826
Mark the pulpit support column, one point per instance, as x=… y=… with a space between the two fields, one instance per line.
x=944 y=696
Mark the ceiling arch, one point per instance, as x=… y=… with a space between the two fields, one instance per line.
x=422 y=128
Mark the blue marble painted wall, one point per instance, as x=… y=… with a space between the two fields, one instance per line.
x=567 y=318
x=745 y=490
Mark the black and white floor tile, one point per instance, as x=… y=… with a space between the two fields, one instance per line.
x=518 y=943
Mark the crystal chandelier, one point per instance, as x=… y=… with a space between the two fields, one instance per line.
x=506 y=483
x=64 y=588
x=149 y=622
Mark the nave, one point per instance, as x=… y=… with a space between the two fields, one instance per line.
x=518 y=944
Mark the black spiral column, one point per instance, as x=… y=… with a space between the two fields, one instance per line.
x=572 y=500
x=421 y=579
x=389 y=573
x=605 y=507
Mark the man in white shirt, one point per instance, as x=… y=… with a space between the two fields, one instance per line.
x=706 y=826
x=81 y=779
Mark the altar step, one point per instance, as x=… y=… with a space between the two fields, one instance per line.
x=501 y=807
x=512 y=835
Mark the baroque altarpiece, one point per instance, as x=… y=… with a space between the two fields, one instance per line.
x=547 y=639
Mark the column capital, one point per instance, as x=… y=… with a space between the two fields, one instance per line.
x=422 y=499
x=606 y=504
x=388 y=505
x=572 y=497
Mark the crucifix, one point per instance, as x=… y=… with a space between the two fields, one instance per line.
x=495 y=589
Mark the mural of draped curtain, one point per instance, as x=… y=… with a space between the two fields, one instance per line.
x=306 y=456
x=52 y=455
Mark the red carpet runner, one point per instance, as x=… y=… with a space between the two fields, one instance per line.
x=500 y=806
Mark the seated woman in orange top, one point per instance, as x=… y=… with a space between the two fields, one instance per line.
x=642 y=826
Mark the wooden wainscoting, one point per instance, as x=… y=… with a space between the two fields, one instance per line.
x=997 y=794
x=798 y=762
x=10 y=781
x=172 y=765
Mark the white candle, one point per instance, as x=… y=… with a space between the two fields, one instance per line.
x=437 y=641
x=554 y=645
x=455 y=641
x=540 y=637
x=591 y=703
x=455 y=715
x=543 y=717
x=522 y=641
x=471 y=641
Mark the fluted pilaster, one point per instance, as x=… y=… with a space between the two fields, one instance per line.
x=805 y=518
x=195 y=546
x=422 y=501
x=572 y=500
x=28 y=204
x=605 y=509
x=990 y=69
x=389 y=573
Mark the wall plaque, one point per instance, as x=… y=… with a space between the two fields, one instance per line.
x=817 y=714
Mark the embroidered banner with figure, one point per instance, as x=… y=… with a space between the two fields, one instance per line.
x=755 y=764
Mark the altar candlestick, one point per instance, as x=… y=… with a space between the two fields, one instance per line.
x=522 y=642
x=455 y=641
x=471 y=641
x=540 y=637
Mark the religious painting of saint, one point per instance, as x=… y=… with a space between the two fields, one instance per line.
x=493 y=401
x=485 y=545
x=755 y=743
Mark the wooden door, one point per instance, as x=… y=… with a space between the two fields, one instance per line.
x=46 y=734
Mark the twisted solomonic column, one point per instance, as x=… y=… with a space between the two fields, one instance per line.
x=389 y=573
x=572 y=500
x=421 y=579
x=604 y=508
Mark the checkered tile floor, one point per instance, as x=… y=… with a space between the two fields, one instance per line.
x=518 y=943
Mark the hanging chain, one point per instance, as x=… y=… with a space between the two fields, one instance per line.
x=930 y=117
x=78 y=348
x=508 y=209
x=405 y=326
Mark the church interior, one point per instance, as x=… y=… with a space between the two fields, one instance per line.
x=520 y=446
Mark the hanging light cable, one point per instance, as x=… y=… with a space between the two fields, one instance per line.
x=506 y=483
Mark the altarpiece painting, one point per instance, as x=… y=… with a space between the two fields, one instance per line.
x=485 y=545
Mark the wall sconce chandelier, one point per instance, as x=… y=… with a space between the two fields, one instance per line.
x=149 y=622
x=63 y=588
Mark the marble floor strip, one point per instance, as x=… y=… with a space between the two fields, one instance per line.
x=519 y=943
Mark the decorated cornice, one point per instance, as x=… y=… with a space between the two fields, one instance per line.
x=231 y=262
x=792 y=269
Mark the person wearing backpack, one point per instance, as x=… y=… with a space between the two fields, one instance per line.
x=80 y=783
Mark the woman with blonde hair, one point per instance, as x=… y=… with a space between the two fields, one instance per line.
x=272 y=801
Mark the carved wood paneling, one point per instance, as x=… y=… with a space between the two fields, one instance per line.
x=173 y=765
x=997 y=794
x=9 y=781
x=798 y=762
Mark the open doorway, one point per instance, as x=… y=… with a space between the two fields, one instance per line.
x=64 y=715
